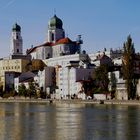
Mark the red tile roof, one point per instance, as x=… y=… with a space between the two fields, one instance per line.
x=34 y=48
x=60 y=41
x=64 y=41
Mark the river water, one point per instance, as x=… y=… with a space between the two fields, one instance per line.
x=43 y=121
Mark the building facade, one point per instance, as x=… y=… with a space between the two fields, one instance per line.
x=12 y=65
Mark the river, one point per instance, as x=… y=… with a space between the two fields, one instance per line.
x=62 y=121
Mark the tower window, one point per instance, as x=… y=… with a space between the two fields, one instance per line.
x=52 y=36
x=17 y=50
x=17 y=37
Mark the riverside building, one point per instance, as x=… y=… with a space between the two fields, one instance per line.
x=59 y=64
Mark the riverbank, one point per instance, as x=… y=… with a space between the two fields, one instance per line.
x=107 y=102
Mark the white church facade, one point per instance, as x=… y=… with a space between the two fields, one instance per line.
x=57 y=44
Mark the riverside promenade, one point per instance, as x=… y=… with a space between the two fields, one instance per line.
x=76 y=101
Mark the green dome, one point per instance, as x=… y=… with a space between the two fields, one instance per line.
x=55 y=22
x=16 y=27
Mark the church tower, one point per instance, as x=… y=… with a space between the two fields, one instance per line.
x=16 y=41
x=55 y=29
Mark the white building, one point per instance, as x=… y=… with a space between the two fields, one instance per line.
x=46 y=79
x=117 y=81
x=64 y=60
x=68 y=79
x=24 y=78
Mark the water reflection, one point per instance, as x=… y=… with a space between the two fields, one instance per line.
x=69 y=121
x=30 y=121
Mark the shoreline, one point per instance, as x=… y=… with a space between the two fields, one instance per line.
x=105 y=102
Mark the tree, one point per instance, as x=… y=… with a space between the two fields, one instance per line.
x=113 y=85
x=128 y=68
x=101 y=77
x=32 y=89
x=22 y=90
x=88 y=87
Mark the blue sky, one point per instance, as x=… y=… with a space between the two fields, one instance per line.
x=102 y=23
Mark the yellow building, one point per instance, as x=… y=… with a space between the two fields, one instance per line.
x=15 y=65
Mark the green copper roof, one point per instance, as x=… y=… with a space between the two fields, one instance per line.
x=16 y=27
x=55 y=22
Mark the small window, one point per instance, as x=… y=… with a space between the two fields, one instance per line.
x=17 y=50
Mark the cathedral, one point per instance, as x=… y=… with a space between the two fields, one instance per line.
x=57 y=44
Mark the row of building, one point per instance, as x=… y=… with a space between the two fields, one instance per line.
x=59 y=66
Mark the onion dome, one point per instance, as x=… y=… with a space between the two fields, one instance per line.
x=55 y=22
x=16 y=28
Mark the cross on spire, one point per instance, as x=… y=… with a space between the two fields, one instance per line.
x=54 y=11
